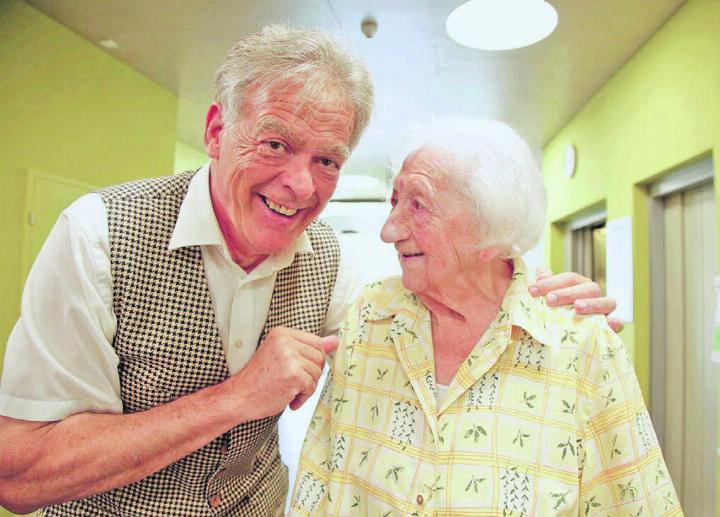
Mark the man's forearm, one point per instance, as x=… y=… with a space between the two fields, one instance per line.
x=46 y=463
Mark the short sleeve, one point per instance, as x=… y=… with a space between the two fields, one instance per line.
x=622 y=467
x=59 y=358
x=347 y=289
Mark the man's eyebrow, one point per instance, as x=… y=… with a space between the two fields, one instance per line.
x=274 y=125
x=340 y=149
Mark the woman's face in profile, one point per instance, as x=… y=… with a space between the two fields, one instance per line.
x=429 y=224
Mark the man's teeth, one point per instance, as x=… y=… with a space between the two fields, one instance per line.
x=419 y=253
x=279 y=208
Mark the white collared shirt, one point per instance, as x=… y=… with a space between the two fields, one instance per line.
x=59 y=358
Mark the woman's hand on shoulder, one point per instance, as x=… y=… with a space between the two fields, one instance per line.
x=577 y=290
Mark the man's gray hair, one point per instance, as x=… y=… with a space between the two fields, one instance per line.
x=314 y=58
x=492 y=168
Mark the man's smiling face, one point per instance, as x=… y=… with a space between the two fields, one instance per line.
x=274 y=169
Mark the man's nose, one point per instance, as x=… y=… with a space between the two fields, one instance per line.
x=393 y=230
x=298 y=178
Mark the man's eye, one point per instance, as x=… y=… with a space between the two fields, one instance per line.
x=327 y=162
x=417 y=205
x=275 y=145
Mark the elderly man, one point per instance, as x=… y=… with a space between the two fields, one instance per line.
x=132 y=382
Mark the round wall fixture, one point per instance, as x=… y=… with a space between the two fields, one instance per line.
x=570 y=160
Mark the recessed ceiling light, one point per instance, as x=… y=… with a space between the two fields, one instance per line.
x=501 y=24
x=109 y=43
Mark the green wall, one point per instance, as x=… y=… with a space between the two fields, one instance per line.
x=188 y=158
x=659 y=111
x=68 y=109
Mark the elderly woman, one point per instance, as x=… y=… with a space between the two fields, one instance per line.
x=454 y=392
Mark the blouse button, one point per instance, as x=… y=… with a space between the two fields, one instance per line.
x=420 y=500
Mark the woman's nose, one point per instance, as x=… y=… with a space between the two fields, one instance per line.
x=393 y=230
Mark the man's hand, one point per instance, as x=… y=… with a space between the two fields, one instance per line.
x=576 y=290
x=284 y=370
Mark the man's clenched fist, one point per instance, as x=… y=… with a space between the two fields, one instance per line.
x=284 y=370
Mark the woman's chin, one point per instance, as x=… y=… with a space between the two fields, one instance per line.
x=412 y=282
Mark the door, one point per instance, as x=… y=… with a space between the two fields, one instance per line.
x=47 y=196
x=683 y=378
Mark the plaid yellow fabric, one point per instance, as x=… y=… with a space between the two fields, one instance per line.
x=545 y=417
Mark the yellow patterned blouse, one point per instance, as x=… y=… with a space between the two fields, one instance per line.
x=545 y=417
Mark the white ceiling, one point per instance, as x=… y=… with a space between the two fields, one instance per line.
x=419 y=72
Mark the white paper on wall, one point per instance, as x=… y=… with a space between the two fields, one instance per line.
x=619 y=266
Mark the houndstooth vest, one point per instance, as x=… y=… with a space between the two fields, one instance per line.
x=168 y=344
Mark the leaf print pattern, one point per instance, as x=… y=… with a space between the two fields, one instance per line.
x=567 y=407
x=627 y=491
x=433 y=488
x=309 y=493
x=474 y=432
x=484 y=392
x=515 y=491
x=591 y=504
x=530 y=353
x=615 y=451
x=528 y=400
x=567 y=446
x=474 y=484
x=560 y=499
x=338 y=453
x=394 y=473
x=645 y=431
x=569 y=336
x=519 y=437
x=404 y=421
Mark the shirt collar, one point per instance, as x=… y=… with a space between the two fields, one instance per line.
x=518 y=308
x=524 y=311
x=197 y=226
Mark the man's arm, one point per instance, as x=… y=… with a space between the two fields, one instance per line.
x=50 y=462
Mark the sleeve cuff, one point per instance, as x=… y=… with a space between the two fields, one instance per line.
x=48 y=411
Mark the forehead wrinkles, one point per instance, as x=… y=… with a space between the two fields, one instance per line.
x=426 y=168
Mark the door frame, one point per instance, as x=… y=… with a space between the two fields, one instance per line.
x=688 y=177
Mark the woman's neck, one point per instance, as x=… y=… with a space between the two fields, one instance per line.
x=470 y=295
x=460 y=314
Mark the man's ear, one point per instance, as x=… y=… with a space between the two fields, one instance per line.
x=214 y=126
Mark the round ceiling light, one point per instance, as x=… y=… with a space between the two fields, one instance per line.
x=501 y=24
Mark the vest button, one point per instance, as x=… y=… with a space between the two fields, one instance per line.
x=214 y=501
x=224 y=449
x=420 y=500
